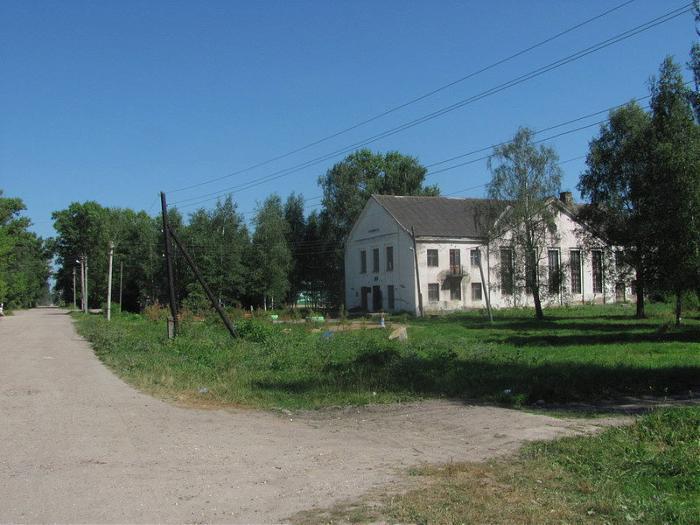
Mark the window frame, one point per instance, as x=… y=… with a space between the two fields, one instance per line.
x=575 y=273
x=363 y=261
x=433 y=287
x=455 y=290
x=389 y=253
x=554 y=274
x=477 y=286
x=474 y=261
x=429 y=252
x=507 y=276
x=375 y=260
x=597 y=277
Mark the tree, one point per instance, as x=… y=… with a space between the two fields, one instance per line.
x=346 y=188
x=616 y=183
x=525 y=176
x=296 y=232
x=270 y=255
x=674 y=190
x=24 y=257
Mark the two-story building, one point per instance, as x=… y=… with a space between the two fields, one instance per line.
x=434 y=252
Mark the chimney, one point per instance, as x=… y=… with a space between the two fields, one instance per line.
x=567 y=198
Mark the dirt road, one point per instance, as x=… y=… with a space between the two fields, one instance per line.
x=79 y=445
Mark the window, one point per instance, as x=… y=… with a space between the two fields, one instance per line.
x=575 y=263
x=475 y=258
x=597 y=270
x=554 y=272
x=389 y=258
x=476 y=292
x=375 y=260
x=455 y=263
x=390 y=297
x=456 y=290
x=432 y=257
x=507 y=271
x=363 y=261
x=433 y=292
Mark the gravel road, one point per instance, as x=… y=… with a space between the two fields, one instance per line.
x=79 y=445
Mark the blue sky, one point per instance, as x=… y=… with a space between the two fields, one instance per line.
x=114 y=101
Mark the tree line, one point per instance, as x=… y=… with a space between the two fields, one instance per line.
x=642 y=180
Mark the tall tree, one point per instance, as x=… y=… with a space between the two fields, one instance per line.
x=24 y=258
x=346 y=188
x=674 y=197
x=616 y=183
x=270 y=255
x=525 y=176
x=296 y=231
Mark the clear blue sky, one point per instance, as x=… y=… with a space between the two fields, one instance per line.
x=114 y=101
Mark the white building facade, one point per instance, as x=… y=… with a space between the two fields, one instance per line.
x=405 y=253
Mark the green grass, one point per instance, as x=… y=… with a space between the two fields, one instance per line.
x=648 y=472
x=580 y=354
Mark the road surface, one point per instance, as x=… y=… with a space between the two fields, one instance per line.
x=79 y=445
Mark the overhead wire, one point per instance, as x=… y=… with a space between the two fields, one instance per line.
x=670 y=15
x=413 y=100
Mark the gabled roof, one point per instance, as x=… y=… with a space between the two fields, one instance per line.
x=441 y=216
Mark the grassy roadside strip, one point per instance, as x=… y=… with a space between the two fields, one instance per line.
x=648 y=472
x=584 y=354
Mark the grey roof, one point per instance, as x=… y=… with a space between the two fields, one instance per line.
x=440 y=216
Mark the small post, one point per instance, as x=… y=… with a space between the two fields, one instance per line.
x=486 y=289
x=169 y=263
x=82 y=283
x=415 y=256
x=109 y=281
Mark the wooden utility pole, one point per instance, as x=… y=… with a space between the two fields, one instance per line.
x=484 y=287
x=87 y=293
x=207 y=290
x=415 y=256
x=121 y=282
x=82 y=283
x=74 y=302
x=109 y=281
x=169 y=264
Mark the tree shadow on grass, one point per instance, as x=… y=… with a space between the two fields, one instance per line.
x=445 y=374
x=687 y=335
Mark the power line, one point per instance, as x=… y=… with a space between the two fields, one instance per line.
x=411 y=101
x=447 y=109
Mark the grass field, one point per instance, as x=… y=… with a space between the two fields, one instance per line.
x=645 y=473
x=585 y=353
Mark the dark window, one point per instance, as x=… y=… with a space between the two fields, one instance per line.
x=597 y=270
x=389 y=258
x=375 y=260
x=390 y=297
x=575 y=263
x=432 y=258
x=507 y=271
x=476 y=292
x=554 y=271
x=363 y=261
x=433 y=292
x=455 y=263
x=530 y=272
x=376 y=298
x=456 y=290
x=475 y=258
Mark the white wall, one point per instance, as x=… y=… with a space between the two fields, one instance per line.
x=376 y=228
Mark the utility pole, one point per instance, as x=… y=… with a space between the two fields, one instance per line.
x=87 y=293
x=121 y=282
x=74 y=303
x=207 y=290
x=109 y=281
x=415 y=256
x=485 y=288
x=169 y=264
x=82 y=283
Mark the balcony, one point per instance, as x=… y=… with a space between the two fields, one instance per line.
x=456 y=270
